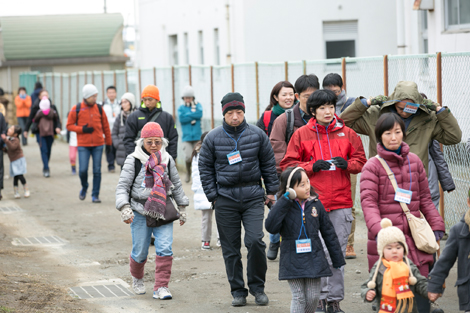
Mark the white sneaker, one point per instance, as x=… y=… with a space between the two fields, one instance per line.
x=17 y=195
x=163 y=293
x=27 y=193
x=138 y=285
x=206 y=245
x=218 y=243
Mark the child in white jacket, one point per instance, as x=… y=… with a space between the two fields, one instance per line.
x=200 y=199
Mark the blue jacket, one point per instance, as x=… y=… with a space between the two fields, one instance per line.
x=285 y=218
x=190 y=132
x=457 y=247
x=35 y=95
x=241 y=181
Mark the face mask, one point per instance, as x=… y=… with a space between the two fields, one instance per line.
x=23 y=96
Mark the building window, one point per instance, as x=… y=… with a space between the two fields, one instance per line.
x=340 y=39
x=186 y=48
x=201 y=48
x=173 y=43
x=216 y=47
x=457 y=13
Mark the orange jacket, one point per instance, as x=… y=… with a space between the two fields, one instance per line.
x=23 y=106
x=90 y=116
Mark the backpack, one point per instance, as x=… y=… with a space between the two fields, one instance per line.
x=289 y=124
x=77 y=110
x=266 y=119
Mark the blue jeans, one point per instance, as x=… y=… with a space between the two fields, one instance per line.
x=141 y=235
x=45 y=145
x=84 y=154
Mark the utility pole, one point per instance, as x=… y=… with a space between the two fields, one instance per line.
x=105 y=6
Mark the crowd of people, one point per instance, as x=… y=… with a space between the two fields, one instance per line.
x=300 y=160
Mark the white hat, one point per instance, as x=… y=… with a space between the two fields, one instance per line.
x=89 y=90
x=188 y=91
x=129 y=97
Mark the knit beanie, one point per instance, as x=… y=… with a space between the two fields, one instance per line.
x=129 y=97
x=44 y=104
x=151 y=129
x=232 y=101
x=89 y=90
x=188 y=91
x=151 y=91
x=387 y=235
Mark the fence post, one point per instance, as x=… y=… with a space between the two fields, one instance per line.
x=140 y=83
x=212 y=97
x=286 y=71
x=70 y=93
x=154 y=75
x=173 y=90
x=257 y=90
x=304 y=64
x=52 y=87
x=343 y=72
x=92 y=77
x=102 y=83
x=439 y=100
x=125 y=76
x=233 y=78
x=386 y=75
x=114 y=79
x=78 y=93
x=190 y=80
x=61 y=93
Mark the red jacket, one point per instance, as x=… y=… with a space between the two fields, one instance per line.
x=377 y=200
x=333 y=187
x=89 y=115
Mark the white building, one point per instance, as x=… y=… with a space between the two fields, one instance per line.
x=213 y=32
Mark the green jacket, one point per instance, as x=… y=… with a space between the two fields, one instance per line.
x=421 y=287
x=423 y=128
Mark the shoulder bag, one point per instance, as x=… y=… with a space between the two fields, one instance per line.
x=422 y=234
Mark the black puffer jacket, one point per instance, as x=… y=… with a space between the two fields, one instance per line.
x=117 y=133
x=218 y=177
x=140 y=117
x=285 y=218
x=445 y=177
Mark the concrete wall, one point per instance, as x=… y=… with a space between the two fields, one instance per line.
x=262 y=30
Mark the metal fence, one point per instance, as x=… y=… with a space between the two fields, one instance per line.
x=442 y=77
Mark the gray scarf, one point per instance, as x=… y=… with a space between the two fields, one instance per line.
x=340 y=102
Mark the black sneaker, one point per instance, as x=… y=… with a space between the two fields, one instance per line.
x=261 y=298
x=333 y=307
x=321 y=307
x=239 y=301
x=273 y=250
x=435 y=308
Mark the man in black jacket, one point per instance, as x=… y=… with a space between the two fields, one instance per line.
x=151 y=111
x=233 y=159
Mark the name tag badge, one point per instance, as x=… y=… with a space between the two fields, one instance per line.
x=303 y=245
x=332 y=166
x=411 y=108
x=402 y=195
x=234 y=157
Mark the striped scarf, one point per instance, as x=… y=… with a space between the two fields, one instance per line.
x=396 y=293
x=155 y=178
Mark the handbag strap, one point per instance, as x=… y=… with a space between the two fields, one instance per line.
x=391 y=176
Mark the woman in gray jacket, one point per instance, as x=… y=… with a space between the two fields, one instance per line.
x=119 y=128
x=131 y=198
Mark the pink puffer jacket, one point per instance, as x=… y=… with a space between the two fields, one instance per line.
x=377 y=200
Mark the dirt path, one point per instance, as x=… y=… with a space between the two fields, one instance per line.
x=96 y=247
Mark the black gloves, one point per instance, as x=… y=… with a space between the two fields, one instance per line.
x=320 y=165
x=87 y=130
x=340 y=162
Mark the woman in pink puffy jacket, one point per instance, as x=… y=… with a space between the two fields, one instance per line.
x=378 y=194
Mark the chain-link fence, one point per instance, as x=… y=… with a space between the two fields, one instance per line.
x=441 y=77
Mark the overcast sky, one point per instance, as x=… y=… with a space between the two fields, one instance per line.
x=48 y=7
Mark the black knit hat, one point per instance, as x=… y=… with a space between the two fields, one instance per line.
x=232 y=101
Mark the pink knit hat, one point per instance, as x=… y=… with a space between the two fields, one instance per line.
x=151 y=129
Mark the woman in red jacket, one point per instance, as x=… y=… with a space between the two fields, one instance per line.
x=378 y=194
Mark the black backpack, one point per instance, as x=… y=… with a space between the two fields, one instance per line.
x=77 y=110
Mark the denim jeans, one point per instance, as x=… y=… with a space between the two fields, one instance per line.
x=141 y=235
x=84 y=154
x=274 y=238
x=45 y=145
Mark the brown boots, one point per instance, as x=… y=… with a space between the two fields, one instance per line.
x=350 y=254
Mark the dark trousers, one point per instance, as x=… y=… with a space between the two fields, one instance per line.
x=229 y=216
x=22 y=121
x=1 y=169
x=45 y=145
x=110 y=156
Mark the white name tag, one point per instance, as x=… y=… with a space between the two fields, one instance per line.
x=411 y=108
x=332 y=166
x=303 y=245
x=403 y=195
x=234 y=157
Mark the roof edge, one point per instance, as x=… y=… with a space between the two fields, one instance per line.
x=62 y=61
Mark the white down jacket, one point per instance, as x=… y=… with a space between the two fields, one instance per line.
x=200 y=199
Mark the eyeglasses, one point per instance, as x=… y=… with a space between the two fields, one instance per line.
x=153 y=142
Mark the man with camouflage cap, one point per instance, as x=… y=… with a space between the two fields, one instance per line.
x=424 y=119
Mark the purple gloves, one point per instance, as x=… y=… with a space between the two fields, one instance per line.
x=439 y=234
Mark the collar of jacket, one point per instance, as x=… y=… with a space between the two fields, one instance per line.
x=233 y=130
x=147 y=111
x=84 y=104
x=335 y=125
x=466 y=219
x=391 y=156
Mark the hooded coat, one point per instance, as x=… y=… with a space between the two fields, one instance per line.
x=424 y=127
x=117 y=134
x=315 y=142
x=377 y=201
